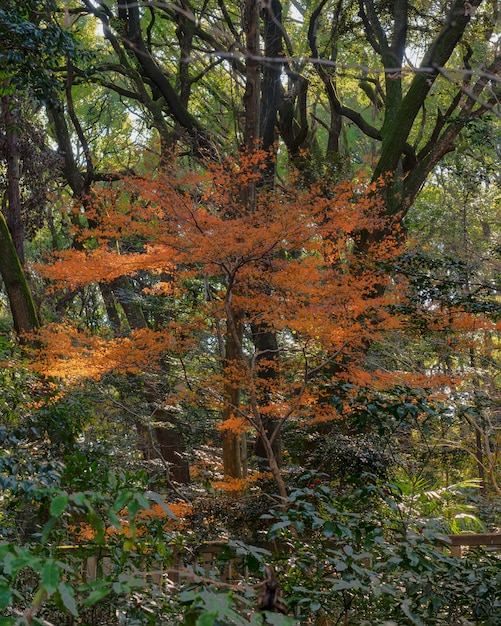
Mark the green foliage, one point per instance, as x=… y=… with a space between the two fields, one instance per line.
x=444 y=280
x=366 y=554
x=44 y=576
x=33 y=48
x=365 y=441
x=358 y=556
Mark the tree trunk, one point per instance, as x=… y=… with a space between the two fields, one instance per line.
x=252 y=95
x=170 y=445
x=396 y=135
x=23 y=309
x=12 y=198
x=272 y=89
x=266 y=345
x=232 y=450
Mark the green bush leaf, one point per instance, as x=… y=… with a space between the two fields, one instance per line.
x=348 y=550
x=97 y=594
x=50 y=576
x=278 y=526
x=206 y=619
x=58 y=505
x=120 y=500
x=142 y=501
x=4 y=550
x=98 y=525
x=80 y=499
x=47 y=528
x=5 y=595
x=341 y=585
x=68 y=598
x=114 y=519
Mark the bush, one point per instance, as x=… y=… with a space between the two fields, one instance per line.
x=357 y=557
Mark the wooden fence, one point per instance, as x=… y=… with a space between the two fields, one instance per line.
x=471 y=540
x=190 y=565
x=185 y=566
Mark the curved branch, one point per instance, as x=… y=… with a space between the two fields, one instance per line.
x=437 y=56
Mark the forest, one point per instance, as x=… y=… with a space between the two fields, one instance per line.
x=250 y=312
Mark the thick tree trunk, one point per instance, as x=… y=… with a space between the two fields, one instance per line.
x=266 y=345
x=396 y=135
x=272 y=86
x=165 y=439
x=252 y=95
x=172 y=446
x=111 y=306
x=23 y=309
x=12 y=198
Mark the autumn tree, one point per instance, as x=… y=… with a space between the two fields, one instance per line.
x=287 y=265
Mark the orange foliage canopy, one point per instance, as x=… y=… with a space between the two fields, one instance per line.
x=289 y=263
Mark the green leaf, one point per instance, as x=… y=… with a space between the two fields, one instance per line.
x=142 y=501
x=50 y=576
x=132 y=509
x=278 y=526
x=79 y=499
x=68 y=598
x=8 y=621
x=348 y=550
x=330 y=529
x=114 y=519
x=15 y=565
x=58 y=505
x=5 y=595
x=98 y=525
x=4 y=549
x=340 y=585
x=47 y=528
x=97 y=594
x=120 y=500
x=415 y=619
x=206 y=619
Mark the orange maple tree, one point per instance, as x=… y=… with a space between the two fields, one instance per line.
x=287 y=265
